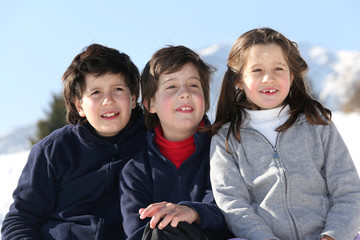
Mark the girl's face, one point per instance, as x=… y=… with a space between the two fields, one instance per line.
x=179 y=103
x=106 y=103
x=266 y=76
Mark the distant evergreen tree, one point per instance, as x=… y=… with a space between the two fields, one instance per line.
x=354 y=102
x=55 y=118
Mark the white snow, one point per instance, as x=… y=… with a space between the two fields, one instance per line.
x=11 y=165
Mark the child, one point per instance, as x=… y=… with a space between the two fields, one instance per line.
x=279 y=168
x=69 y=186
x=168 y=182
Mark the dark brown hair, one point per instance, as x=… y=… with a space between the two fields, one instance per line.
x=169 y=60
x=232 y=100
x=99 y=60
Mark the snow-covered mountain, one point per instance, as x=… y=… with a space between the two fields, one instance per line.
x=17 y=140
x=331 y=75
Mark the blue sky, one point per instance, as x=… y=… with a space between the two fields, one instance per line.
x=39 y=39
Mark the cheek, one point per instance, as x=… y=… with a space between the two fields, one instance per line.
x=128 y=102
x=200 y=100
x=249 y=84
x=164 y=100
x=87 y=107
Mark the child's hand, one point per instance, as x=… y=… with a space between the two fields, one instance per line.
x=170 y=212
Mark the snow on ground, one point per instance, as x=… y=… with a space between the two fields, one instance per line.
x=11 y=165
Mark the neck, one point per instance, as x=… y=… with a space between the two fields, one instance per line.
x=176 y=151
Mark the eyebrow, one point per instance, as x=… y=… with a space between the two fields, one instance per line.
x=113 y=85
x=276 y=63
x=283 y=64
x=174 y=79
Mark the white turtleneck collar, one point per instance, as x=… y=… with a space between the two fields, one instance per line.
x=266 y=121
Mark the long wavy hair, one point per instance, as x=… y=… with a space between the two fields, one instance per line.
x=233 y=102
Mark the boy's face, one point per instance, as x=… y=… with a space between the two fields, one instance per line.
x=179 y=103
x=106 y=103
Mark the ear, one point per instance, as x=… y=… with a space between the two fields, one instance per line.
x=239 y=84
x=291 y=77
x=149 y=107
x=133 y=101
x=78 y=105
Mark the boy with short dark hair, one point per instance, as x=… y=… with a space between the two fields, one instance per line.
x=168 y=181
x=69 y=188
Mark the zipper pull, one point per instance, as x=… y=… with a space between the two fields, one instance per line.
x=276 y=154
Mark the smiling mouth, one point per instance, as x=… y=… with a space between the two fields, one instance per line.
x=184 y=109
x=269 y=91
x=107 y=115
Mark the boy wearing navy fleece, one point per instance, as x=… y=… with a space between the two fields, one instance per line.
x=166 y=191
x=69 y=188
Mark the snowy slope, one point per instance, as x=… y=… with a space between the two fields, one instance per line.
x=17 y=140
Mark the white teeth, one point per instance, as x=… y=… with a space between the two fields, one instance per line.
x=109 y=114
x=270 y=91
x=186 y=108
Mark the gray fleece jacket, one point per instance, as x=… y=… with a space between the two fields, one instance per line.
x=305 y=186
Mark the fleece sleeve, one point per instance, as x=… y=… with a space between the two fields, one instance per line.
x=33 y=199
x=231 y=194
x=135 y=193
x=343 y=219
x=211 y=218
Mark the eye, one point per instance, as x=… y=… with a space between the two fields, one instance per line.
x=194 y=85
x=279 y=69
x=119 y=89
x=170 y=87
x=256 y=70
x=95 y=93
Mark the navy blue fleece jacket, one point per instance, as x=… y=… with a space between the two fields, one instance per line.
x=149 y=178
x=69 y=188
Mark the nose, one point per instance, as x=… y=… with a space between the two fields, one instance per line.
x=268 y=77
x=184 y=93
x=108 y=99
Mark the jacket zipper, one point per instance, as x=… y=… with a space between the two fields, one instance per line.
x=276 y=157
x=179 y=186
x=115 y=152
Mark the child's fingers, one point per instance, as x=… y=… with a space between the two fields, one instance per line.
x=141 y=210
x=168 y=218
x=154 y=220
x=163 y=210
x=166 y=213
x=150 y=210
x=178 y=213
x=175 y=222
